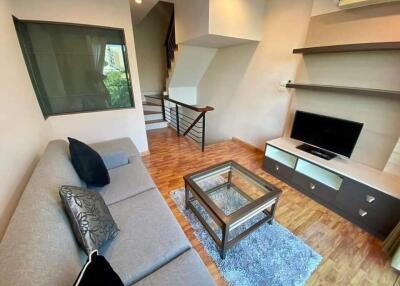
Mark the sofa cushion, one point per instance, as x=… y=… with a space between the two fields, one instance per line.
x=149 y=238
x=115 y=159
x=121 y=145
x=186 y=267
x=39 y=234
x=88 y=164
x=127 y=181
x=89 y=216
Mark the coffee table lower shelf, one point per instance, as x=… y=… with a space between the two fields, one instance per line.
x=226 y=227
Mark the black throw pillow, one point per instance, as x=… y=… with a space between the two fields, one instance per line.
x=88 y=164
x=98 y=272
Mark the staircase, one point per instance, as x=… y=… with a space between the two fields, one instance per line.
x=153 y=112
x=153 y=105
x=176 y=107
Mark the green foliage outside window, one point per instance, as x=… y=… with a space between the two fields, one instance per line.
x=117 y=86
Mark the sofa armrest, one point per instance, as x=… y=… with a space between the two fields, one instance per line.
x=116 y=152
x=115 y=159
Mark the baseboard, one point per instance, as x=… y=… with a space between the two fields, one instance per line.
x=248 y=145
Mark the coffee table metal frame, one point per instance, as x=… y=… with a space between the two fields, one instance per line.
x=227 y=223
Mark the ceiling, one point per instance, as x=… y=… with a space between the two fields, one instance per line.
x=139 y=11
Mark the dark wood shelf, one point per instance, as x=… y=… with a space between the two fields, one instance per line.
x=363 y=47
x=345 y=89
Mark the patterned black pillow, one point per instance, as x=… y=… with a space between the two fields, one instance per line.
x=88 y=164
x=90 y=218
x=97 y=271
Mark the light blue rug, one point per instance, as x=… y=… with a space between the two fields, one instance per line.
x=271 y=255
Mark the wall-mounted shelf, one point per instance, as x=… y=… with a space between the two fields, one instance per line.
x=363 y=47
x=344 y=89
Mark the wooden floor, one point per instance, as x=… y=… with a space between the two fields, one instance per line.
x=350 y=255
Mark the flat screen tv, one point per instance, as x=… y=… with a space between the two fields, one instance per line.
x=332 y=134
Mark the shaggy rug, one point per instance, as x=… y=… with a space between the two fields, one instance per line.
x=271 y=255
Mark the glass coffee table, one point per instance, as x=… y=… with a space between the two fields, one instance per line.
x=230 y=201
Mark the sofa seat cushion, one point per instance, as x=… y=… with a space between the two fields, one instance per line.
x=186 y=267
x=149 y=236
x=127 y=181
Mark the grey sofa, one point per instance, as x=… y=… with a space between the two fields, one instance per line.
x=39 y=247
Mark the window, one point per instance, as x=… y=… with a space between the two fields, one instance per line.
x=76 y=68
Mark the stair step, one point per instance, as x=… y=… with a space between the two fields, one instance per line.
x=152 y=115
x=151 y=104
x=154 y=96
x=156 y=124
x=149 y=112
x=152 y=108
x=154 y=121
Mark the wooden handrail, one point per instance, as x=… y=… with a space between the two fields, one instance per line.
x=170 y=42
x=170 y=27
x=192 y=107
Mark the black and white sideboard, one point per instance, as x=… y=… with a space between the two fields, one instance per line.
x=365 y=196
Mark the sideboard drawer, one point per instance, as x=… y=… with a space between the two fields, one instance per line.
x=374 y=209
x=379 y=223
x=309 y=185
x=364 y=196
x=278 y=169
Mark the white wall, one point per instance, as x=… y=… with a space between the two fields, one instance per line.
x=22 y=126
x=187 y=70
x=324 y=7
x=242 y=82
x=376 y=23
x=140 y=10
x=94 y=126
x=237 y=18
x=150 y=36
x=218 y=23
x=24 y=131
x=380 y=115
x=393 y=165
x=191 y=19
x=190 y=65
x=321 y=7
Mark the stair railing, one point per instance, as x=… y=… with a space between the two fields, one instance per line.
x=187 y=120
x=170 y=42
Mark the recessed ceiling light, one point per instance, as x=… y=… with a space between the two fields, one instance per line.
x=138 y=1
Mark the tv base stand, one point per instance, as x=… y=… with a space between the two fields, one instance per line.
x=367 y=197
x=316 y=151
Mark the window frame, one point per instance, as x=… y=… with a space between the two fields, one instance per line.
x=29 y=63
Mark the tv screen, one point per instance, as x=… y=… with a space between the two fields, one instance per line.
x=333 y=134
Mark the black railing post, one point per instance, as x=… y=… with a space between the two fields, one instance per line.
x=182 y=121
x=163 y=107
x=204 y=133
x=177 y=119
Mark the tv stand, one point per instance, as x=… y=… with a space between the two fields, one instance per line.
x=367 y=197
x=316 y=151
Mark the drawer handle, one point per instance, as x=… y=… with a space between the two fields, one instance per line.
x=362 y=212
x=312 y=186
x=370 y=198
x=276 y=167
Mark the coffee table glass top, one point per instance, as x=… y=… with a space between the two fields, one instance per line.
x=231 y=187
